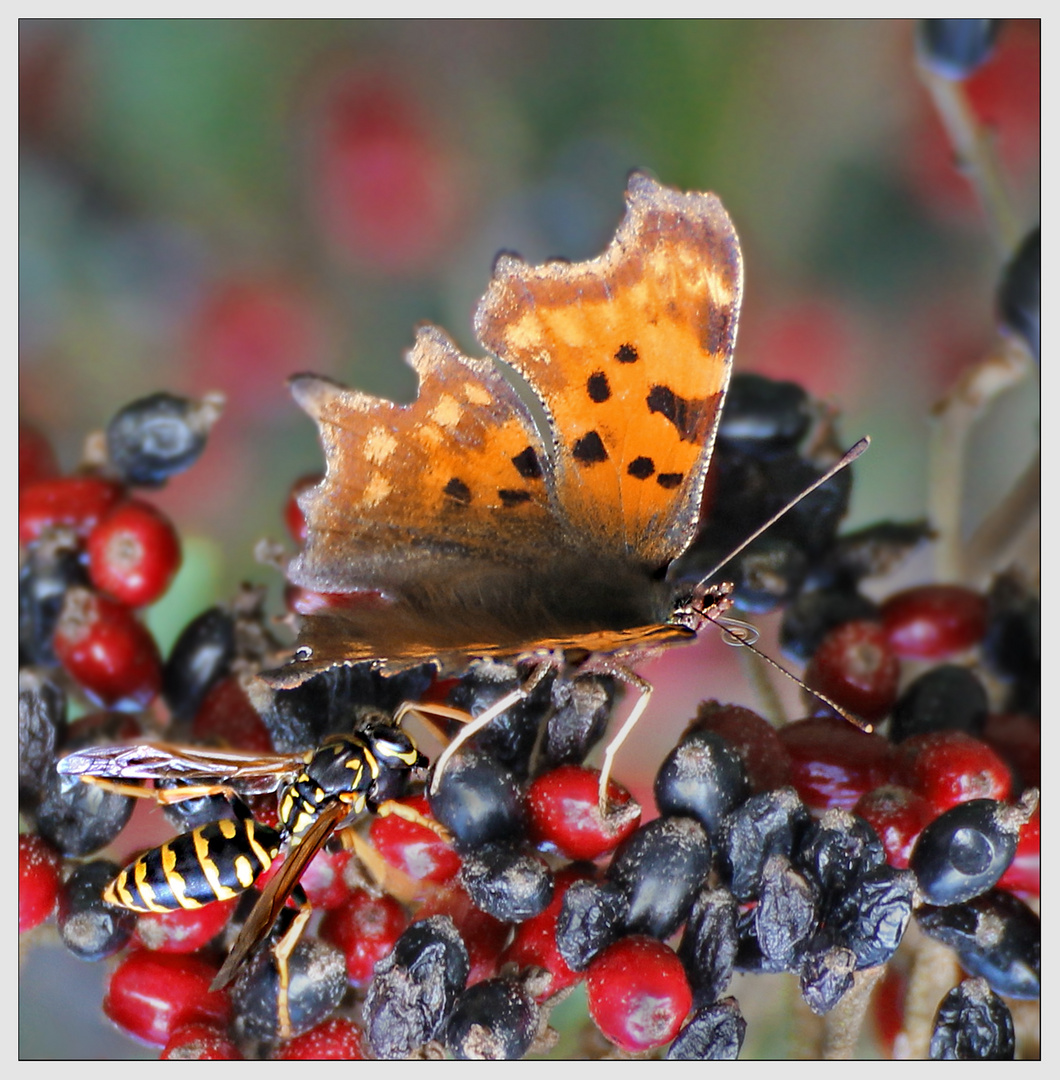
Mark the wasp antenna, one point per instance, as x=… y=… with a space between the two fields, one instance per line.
x=851 y=455
x=735 y=633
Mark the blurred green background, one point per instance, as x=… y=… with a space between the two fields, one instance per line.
x=219 y=204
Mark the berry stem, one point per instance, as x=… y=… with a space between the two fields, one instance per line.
x=976 y=157
x=933 y=974
x=953 y=419
x=843 y=1024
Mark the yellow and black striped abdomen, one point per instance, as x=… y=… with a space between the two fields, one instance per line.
x=213 y=862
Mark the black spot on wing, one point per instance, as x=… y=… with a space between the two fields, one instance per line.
x=589 y=449
x=627 y=354
x=513 y=497
x=641 y=468
x=458 y=491
x=598 y=387
x=684 y=414
x=527 y=464
x=669 y=479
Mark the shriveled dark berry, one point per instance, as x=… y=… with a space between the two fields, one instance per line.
x=766 y=824
x=478 y=800
x=50 y=569
x=592 y=916
x=703 y=778
x=871 y=917
x=996 y=936
x=581 y=708
x=946 y=698
x=973 y=1024
x=708 y=944
x=661 y=869
x=786 y=914
x=41 y=720
x=1019 y=295
x=713 y=1033
x=767 y=574
x=317 y=973
x=494 y=1020
x=80 y=818
x=159 y=436
x=964 y=851
x=749 y=955
x=869 y=552
x=506 y=881
x=414 y=988
x=201 y=656
x=954 y=48
x=813 y=612
x=763 y=414
x=826 y=973
x=90 y=928
x=838 y=849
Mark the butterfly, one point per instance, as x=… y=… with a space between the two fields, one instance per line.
x=529 y=505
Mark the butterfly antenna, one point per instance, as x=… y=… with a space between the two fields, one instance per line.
x=740 y=634
x=851 y=455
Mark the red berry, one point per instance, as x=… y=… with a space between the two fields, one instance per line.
x=413 y=848
x=534 y=941
x=934 y=621
x=226 y=717
x=324 y=879
x=365 y=929
x=833 y=763
x=292 y=512
x=563 y=809
x=107 y=650
x=200 y=1042
x=897 y=815
x=133 y=553
x=333 y=1040
x=753 y=737
x=483 y=935
x=39 y=879
x=951 y=767
x=638 y=993
x=149 y=995
x=183 y=931
x=36 y=458
x=74 y=502
x=1024 y=875
x=856 y=668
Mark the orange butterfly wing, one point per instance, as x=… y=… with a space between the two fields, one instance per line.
x=630 y=353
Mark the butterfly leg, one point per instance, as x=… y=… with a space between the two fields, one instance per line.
x=644 y=688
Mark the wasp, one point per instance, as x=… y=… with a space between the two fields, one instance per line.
x=321 y=791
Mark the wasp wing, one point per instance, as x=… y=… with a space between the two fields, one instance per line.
x=168 y=761
x=273 y=897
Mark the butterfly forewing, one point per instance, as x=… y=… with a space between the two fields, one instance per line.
x=631 y=354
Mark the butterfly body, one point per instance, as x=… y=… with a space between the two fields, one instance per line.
x=460 y=528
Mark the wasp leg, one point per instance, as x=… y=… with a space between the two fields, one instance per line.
x=282 y=951
x=424 y=712
x=163 y=796
x=407 y=813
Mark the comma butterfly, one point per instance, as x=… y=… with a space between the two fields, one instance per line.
x=485 y=535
